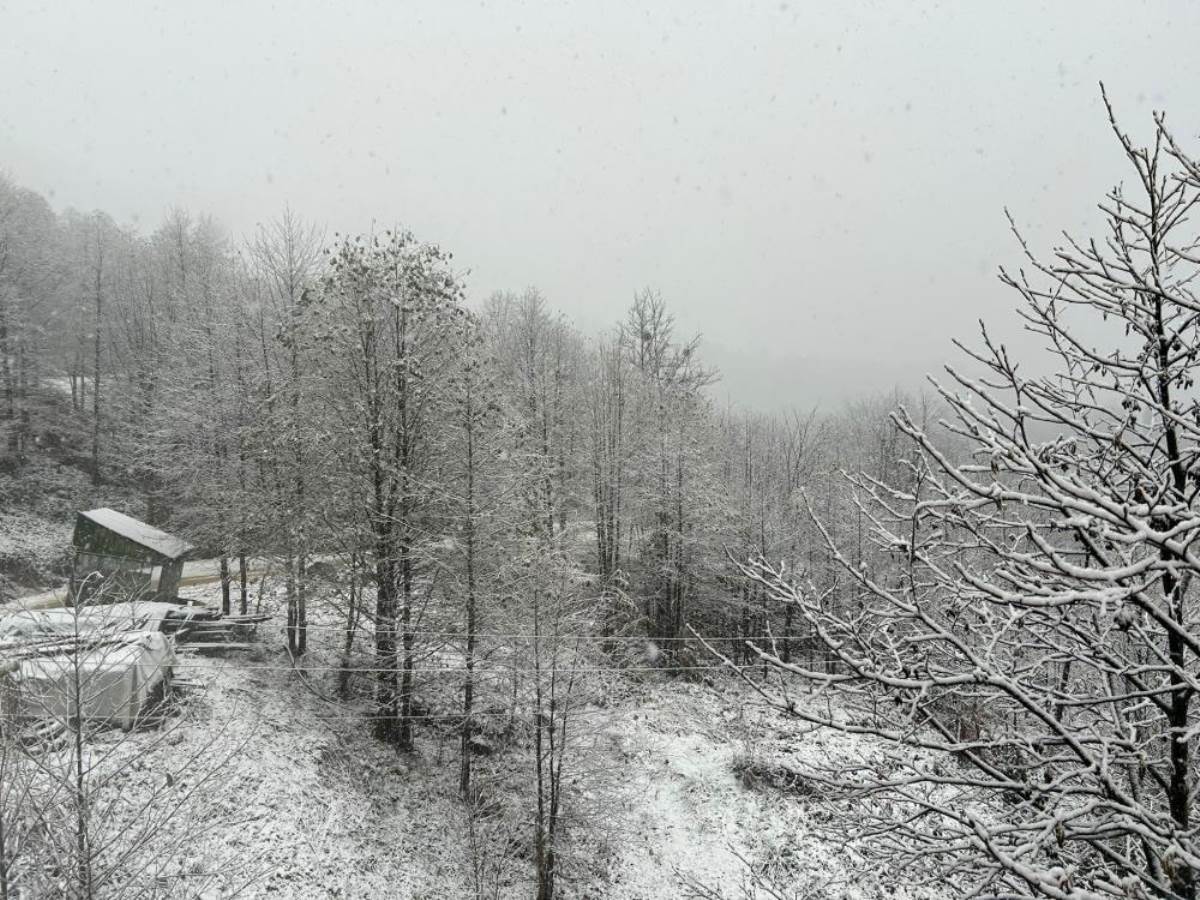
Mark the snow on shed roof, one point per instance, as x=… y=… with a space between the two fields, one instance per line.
x=139 y=532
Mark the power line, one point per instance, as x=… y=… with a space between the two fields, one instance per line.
x=479 y=670
x=561 y=637
x=515 y=636
x=482 y=669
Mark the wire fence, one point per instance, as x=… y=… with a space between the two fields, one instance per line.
x=612 y=638
x=455 y=670
x=505 y=655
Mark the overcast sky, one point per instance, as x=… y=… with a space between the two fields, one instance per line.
x=817 y=188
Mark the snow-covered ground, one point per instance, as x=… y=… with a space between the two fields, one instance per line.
x=294 y=798
x=25 y=535
x=696 y=828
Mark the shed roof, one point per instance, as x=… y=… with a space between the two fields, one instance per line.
x=159 y=542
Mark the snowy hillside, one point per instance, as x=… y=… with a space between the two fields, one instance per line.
x=294 y=800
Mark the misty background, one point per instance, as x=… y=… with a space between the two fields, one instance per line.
x=818 y=189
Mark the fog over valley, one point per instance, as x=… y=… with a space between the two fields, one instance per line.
x=579 y=451
x=819 y=184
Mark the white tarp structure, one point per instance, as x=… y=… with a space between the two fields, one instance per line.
x=135 y=615
x=22 y=626
x=113 y=679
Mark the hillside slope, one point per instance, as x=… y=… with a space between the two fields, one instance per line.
x=298 y=801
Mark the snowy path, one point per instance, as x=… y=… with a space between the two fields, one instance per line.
x=691 y=822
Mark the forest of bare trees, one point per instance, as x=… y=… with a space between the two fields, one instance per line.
x=281 y=398
x=302 y=399
x=989 y=581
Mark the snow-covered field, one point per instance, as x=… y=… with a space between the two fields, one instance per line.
x=285 y=794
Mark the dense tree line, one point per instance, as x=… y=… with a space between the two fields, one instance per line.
x=469 y=472
x=290 y=395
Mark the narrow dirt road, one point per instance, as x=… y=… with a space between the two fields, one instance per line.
x=195 y=572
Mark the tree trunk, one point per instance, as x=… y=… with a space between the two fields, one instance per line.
x=291 y=603
x=225 y=582
x=464 y=778
x=351 y=625
x=97 y=326
x=301 y=604
x=243 y=583
x=405 y=736
x=1179 y=792
x=386 y=695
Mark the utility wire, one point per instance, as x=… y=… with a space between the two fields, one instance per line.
x=478 y=670
x=527 y=636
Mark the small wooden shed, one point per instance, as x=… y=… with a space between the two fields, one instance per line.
x=130 y=559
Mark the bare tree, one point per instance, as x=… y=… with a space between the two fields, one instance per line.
x=17 y=780
x=1031 y=656
x=669 y=424
x=556 y=656
x=88 y=823
x=474 y=495
x=606 y=402
x=390 y=316
x=285 y=256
